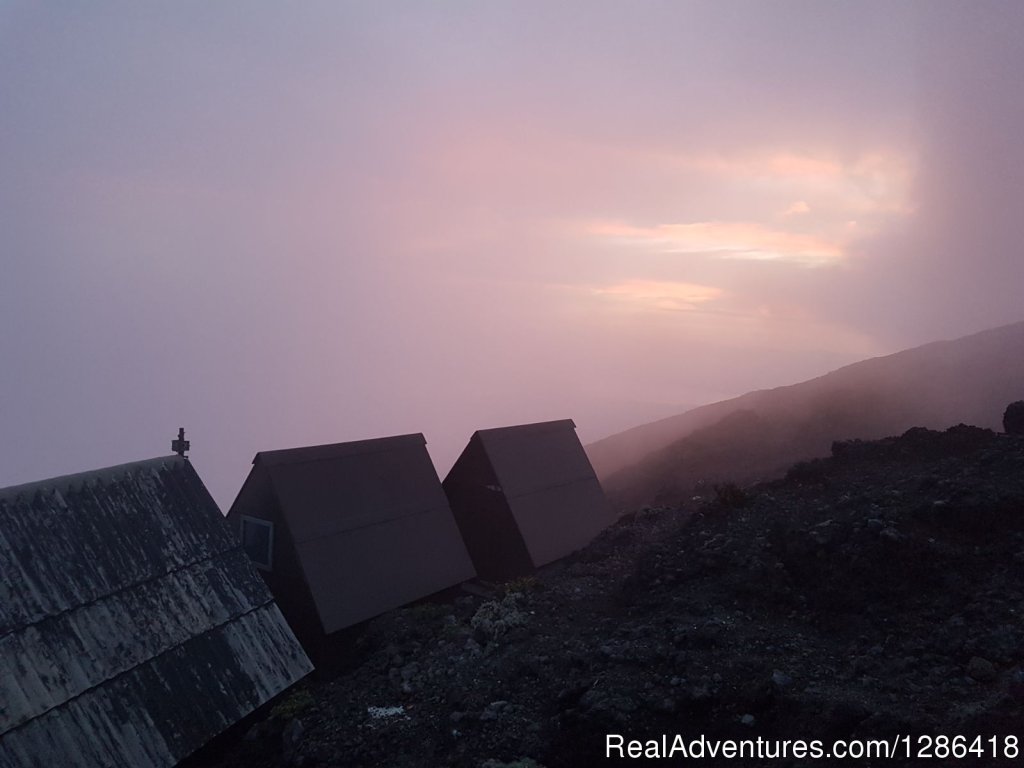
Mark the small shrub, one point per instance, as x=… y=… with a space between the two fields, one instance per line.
x=807 y=471
x=730 y=495
x=450 y=629
x=293 y=706
x=428 y=611
x=523 y=585
x=494 y=618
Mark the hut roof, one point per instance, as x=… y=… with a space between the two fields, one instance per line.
x=133 y=628
x=368 y=520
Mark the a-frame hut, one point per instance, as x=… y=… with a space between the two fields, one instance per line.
x=347 y=531
x=133 y=628
x=524 y=496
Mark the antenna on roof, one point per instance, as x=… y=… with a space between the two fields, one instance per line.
x=180 y=445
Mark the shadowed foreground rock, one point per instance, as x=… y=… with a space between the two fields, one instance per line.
x=869 y=595
x=1013 y=418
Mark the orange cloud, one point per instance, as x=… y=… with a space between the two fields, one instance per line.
x=771 y=205
x=725 y=239
x=872 y=182
x=658 y=294
x=785 y=164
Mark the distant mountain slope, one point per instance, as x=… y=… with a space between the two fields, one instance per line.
x=759 y=434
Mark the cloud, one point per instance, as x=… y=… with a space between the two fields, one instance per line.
x=759 y=204
x=872 y=182
x=724 y=239
x=404 y=185
x=660 y=295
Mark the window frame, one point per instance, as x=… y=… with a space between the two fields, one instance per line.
x=269 y=525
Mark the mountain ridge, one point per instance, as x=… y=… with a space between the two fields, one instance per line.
x=969 y=379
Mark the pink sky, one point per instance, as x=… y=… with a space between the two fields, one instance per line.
x=286 y=225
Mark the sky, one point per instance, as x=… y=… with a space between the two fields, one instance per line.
x=291 y=224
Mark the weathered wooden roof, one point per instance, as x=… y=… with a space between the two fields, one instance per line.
x=133 y=628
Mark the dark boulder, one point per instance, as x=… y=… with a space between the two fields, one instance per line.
x=1013 y=418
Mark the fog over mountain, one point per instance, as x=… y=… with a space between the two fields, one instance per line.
x=282 y=225
x=758 y=435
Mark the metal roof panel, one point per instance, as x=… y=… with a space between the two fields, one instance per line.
x=132 y=627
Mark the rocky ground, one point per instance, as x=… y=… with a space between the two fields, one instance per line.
x=871 y=595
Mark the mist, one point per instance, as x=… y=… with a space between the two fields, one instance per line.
x=288 y=226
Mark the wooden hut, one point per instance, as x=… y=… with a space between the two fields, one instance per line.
x=524 y=496
x=347 y=531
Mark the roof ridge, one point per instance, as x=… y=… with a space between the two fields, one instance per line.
x=532 y=426
x=66 y=482
x=326 y=451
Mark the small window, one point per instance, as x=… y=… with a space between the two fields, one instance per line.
x=258 y=541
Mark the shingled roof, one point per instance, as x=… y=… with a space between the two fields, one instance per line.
x=133 y=628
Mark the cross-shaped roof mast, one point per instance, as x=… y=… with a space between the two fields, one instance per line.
x=180 y=445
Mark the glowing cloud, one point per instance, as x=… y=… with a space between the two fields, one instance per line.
x=725 y=239
x=872 y=183
x=661 y=295
x=768 y=205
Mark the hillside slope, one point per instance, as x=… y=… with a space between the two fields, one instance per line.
x=756 y=436
x=873 y=595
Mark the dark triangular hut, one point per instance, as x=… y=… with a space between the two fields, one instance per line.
x=347 y=531
x=524 y=496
